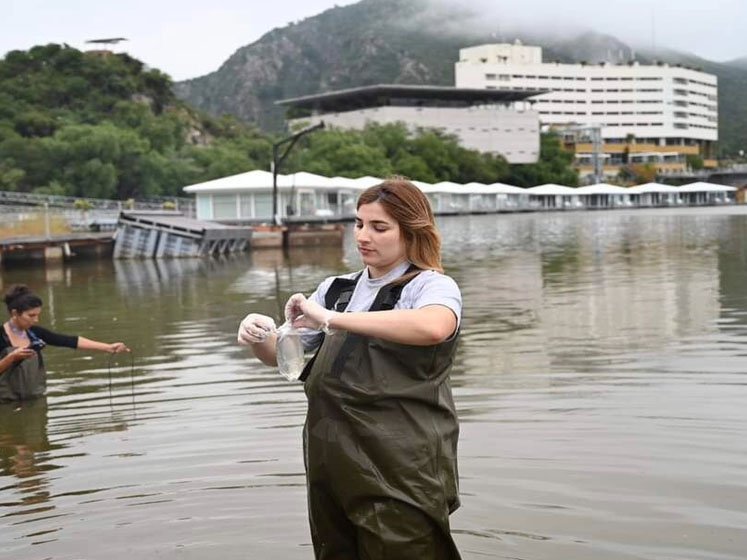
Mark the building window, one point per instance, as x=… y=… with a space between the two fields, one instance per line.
x=224 y=207
x=245 y=206
x=204 y=207
x=263 y=205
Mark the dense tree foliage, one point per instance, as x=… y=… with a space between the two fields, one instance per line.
x=97 y=124
x=382 y=150
x=554 y=166
x=103 y=125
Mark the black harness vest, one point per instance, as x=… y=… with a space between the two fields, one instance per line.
x=338 y=297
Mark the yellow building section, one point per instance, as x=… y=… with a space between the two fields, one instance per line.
x=660 y=167
x=670 y=167
x=637 y=148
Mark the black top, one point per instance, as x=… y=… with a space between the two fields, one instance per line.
x=51 y=338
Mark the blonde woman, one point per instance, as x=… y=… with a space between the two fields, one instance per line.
x=380 y=438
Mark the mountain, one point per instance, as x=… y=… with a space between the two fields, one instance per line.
x=738 y=62
x=408 y=42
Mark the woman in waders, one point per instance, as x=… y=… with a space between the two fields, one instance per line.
x=22 y=374
x=380 y=438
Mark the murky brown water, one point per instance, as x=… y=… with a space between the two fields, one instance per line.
x=600 y=382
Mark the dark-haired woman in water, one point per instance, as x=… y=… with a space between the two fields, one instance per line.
x=22 y=373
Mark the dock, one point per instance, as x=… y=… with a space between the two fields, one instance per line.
x=55 y=247
x=165 y=234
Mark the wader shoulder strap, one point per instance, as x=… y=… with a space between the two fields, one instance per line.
x=385 y=300
x=339 y=293
x=389 y=295
x=337 y=297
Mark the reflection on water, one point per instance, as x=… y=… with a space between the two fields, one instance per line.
x=599 y=381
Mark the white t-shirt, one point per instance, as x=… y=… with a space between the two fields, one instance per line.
x=427 y=288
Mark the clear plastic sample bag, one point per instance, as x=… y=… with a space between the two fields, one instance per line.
x=289 y=352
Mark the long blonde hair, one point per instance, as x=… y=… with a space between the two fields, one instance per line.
x=407 y=204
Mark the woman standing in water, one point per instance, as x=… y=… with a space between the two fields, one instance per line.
x=22 y=373
x=381 y=430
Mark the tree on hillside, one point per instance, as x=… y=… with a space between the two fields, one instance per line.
x=554 y=166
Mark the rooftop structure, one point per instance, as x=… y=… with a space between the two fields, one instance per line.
x=489 y=121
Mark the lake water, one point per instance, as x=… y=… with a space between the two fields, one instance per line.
x=600 y=384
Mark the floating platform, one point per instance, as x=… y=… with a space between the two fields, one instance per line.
x=168 y=234
x=54 y=248
x=297 y=235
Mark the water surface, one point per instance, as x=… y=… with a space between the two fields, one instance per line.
x=600 y=384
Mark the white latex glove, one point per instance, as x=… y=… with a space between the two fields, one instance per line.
x=293 y=307
x=255 y=328
x=302 y=312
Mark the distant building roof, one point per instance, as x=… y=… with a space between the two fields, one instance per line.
x=388 y=94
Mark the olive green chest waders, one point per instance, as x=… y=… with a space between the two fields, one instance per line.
x=24 y=380
x=380 y=444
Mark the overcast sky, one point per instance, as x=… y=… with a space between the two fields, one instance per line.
x=190 y=38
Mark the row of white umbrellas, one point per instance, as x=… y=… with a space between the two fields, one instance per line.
x=260 y=180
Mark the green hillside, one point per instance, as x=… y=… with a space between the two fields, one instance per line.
x=99 y=124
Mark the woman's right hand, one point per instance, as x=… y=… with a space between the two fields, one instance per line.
x=20 y=354
x=255 y=328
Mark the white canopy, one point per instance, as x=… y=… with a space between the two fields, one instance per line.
x=550 y=189
x=346 y=183
x=447 y=187
x=304 y=179
x=477 y=188
x=256 y=179
x=601 y=188
x=422 y=185
x=652 y=188
x=706 y=187
x=503 y=188
x=367 y=181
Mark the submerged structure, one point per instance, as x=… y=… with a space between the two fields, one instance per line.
x=162 y=234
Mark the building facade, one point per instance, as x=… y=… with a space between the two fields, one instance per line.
x=646 y=114
x=501 y=122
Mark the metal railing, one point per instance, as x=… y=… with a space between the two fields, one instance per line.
x=184 y=205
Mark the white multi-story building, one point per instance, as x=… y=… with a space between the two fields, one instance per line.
x=654 y=114
x=500 y=122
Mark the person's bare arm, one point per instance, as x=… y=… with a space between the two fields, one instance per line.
x=266 y=352
x=112 y=348
x=425 y=326
x=419 y=327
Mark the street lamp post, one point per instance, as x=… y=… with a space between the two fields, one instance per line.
x=278 y=160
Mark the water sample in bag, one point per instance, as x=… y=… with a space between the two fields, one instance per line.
x=289 y=352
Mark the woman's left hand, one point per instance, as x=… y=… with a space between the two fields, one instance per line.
x=302 y=312
x=118 y=347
